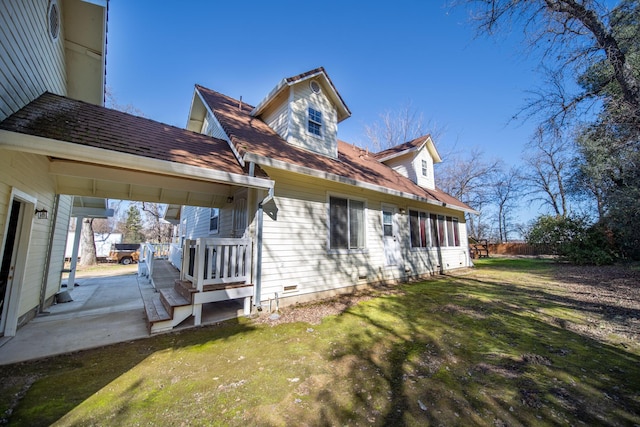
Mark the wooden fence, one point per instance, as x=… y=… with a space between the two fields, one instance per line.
x=518 y=249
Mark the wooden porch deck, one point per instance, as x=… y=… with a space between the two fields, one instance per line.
x=164 y=274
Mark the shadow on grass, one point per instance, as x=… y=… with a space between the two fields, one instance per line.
x=38 y=393
x=467 y=351
x=477 y=349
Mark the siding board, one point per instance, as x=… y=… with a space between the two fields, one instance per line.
x=30 y=62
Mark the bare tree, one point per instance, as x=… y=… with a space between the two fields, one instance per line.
x=573 y=35
x=549 y=159
x=506 y=191
x=87 y=244
x=399 y=126
x=467 y=176
x=111 y=102
x=156 y=230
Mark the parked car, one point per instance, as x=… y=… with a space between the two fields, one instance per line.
x=124 y=253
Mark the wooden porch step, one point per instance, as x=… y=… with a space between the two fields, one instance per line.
x=155 y=310
x=171 y=298
x=185 y=288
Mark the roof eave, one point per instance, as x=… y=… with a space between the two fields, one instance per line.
x=279 y=164
x=400 y=154
x=67 y=150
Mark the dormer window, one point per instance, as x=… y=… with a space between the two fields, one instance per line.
x=315 y=122
x=425 y=167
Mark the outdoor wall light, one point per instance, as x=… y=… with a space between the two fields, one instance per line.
x=42 y=214
x=230 y=199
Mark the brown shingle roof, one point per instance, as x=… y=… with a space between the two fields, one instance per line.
x=64 y=119
x=252 y=135
x=413 y=144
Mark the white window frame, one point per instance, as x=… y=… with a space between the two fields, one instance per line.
x=214 y=213
x=310 y=121
x=348 y=249
x=425 y=168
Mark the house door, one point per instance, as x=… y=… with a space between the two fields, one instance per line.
x=390 y=235
x=8 y=280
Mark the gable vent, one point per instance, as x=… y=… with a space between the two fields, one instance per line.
x=53 y=19
x=315 y=86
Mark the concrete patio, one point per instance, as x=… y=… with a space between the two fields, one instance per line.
x=105 y=310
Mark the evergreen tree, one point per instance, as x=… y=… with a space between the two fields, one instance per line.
x=133 y=226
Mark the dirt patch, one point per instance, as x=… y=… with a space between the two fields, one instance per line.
x=609 y=296
x=314 y=312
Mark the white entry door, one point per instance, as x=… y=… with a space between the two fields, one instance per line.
x=14 y=256
x=390 y=235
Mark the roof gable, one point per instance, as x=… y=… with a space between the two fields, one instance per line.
x=411 y=147
x=318 y=74
x=257 y=142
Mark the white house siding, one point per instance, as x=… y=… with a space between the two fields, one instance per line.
x=28 y=173
x=424 y=181
x=277 y=117
x=411 y=167
x=198 y=222
x=30 y=61
x=303 y=98
x=295 y=248
x=212 y=127
x=403 y=166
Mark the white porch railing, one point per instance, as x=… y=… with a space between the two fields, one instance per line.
x=145 y=260
x=213 y=261
x=148 y=253
x=175 y=255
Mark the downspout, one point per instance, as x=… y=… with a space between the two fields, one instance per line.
x=258 y=291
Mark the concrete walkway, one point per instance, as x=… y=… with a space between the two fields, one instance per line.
x=104 y=310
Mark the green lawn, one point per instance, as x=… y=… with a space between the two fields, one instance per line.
x=510 y=342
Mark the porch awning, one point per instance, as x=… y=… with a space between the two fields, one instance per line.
x=99 y=152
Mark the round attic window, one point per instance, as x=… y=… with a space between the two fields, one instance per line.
x=315 y=87
x=53 y=20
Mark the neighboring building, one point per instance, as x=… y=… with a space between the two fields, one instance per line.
x=103 y=243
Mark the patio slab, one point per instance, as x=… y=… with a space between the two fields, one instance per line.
x=105 y=310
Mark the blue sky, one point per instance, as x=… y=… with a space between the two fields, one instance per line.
x=380 y=56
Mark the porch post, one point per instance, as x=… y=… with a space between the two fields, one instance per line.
x=74 y=254
x=258 y=287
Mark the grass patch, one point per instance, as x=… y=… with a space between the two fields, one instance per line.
x=503 y=344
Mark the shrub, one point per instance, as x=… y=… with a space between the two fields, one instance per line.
x=573 y=239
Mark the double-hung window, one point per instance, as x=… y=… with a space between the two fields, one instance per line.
x=425 y=168
x=346 y=223
x=315 y=122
